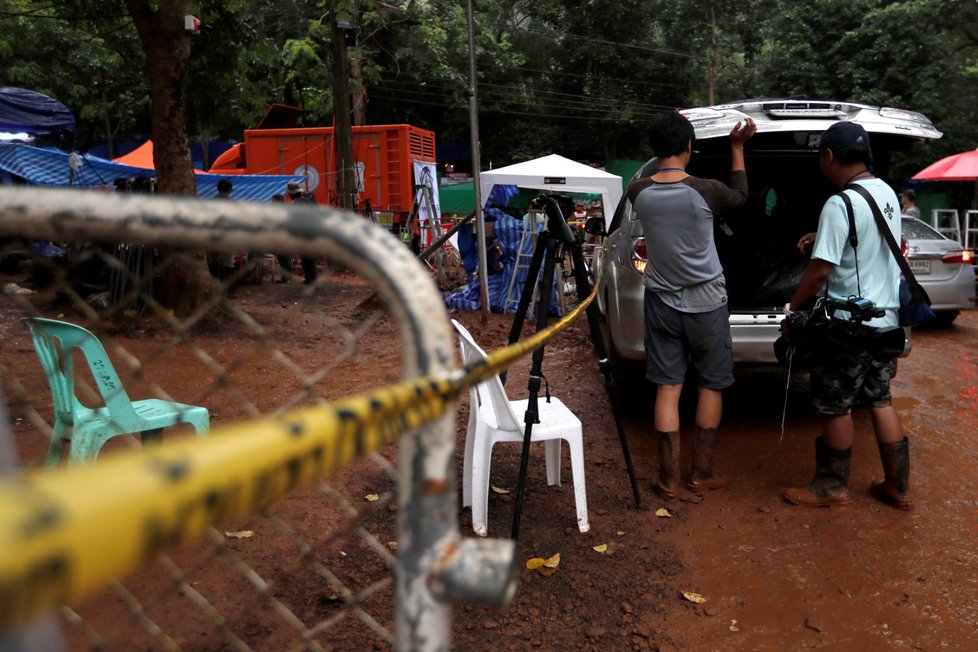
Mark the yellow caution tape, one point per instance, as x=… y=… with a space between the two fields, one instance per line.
x=66 y=533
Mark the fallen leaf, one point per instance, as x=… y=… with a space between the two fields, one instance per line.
x=734 y=627
x=392 y=545
x=546 y=571
x=694 y=597
x=372 y=498
x=662 y=512
x=620 y=533
x=535 y=563
x=239 y=534
x=603 y=547
x=553 y=562
x=499 y=490
x=810 y=623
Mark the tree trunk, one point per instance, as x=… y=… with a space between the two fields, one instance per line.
x=167 y=47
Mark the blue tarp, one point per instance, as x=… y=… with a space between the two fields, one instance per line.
x=34 y=113
x=509 y=233
x=49 y=167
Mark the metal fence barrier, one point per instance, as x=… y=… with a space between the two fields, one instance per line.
x=280 y=578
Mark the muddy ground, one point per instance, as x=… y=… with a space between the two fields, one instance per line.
x=774 y=576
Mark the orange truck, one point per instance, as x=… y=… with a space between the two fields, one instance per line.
x=384 y=155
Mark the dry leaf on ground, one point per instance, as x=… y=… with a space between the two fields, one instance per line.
x=662 y=512
x=499 y=490
x=694 y=597
x=601 y=548
x=546 y=567
x=239 y=534
x=371 y=498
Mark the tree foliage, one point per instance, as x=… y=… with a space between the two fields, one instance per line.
x=581 y=77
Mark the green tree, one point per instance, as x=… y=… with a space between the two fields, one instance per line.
x=82 y=59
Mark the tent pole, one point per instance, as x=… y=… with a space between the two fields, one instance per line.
x=480 y=220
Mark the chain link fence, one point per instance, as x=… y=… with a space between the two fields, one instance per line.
x=194 y=303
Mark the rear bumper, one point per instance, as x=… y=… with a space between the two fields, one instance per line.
x=753 y=336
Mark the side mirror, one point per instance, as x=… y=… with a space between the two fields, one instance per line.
x=595 y=226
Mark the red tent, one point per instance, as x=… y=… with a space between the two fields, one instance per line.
x=142 y=157
x=959 y=167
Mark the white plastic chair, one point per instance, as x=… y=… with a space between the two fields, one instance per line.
x=493 y=418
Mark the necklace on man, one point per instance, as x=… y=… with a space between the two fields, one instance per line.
x=670 y=170
x=865 y=174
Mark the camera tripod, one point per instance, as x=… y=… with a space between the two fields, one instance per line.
x=551 y=244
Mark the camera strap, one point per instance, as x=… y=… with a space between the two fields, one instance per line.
x=890 y=241
x=853 y=238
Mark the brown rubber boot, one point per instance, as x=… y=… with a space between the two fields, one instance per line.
x=667 y=483
x=830 y=484
x=704 y=476
x=895 y=489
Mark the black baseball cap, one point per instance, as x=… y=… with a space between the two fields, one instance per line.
x=844 y=138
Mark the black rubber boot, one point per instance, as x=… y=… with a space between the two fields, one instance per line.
x=704 y=476
x=667 y=483
x=895 y=488
x=830 y=484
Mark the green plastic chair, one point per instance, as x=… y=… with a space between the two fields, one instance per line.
x=87 y=429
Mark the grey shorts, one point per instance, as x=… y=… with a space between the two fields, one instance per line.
x=674 y=340
x=845 y=379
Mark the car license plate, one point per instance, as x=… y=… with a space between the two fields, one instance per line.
x=920 y=266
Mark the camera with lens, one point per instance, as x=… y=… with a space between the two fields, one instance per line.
x=859 y=309
x=556 y=207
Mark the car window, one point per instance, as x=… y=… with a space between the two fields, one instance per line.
x=914 y=229
x=624 y=212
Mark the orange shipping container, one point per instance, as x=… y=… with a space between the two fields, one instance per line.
x=384 y=155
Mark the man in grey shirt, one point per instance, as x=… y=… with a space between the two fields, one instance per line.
x=686 y=312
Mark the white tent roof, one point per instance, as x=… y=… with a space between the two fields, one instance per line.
x=555 y=173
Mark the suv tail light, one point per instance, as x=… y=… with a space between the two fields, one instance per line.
x=961 y=256
x=640 y=255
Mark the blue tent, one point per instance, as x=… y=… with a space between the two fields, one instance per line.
x=49 y=167
x=34 y=113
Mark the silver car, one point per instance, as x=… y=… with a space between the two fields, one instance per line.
x=757 y=243
x=942 y=266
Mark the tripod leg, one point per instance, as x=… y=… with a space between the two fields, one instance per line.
x=523 y=306
x=583 y=290
x=528 y=286
x=536 y=370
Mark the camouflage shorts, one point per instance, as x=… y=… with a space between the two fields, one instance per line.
x=848 y=379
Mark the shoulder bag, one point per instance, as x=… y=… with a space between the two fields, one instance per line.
x=914 y=303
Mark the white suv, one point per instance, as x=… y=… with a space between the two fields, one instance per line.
x=757 y=243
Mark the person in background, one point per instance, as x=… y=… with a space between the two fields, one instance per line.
x=908 y=204
x=297 y=196
x=224 y=188
x=687 y=318
x=284 y=260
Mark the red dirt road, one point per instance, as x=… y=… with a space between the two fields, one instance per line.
x=774 y=576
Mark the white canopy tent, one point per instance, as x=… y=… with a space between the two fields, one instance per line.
x=554 y=173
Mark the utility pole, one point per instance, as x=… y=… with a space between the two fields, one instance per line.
x=713 y=54
x=480 y=220
x=346 y=185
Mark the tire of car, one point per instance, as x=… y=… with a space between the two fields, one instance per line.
x=633 y=393
x=945 y=318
